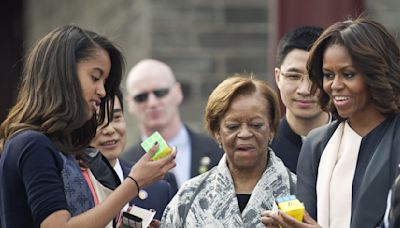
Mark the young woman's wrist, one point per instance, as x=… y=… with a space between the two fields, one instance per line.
x=132 y=179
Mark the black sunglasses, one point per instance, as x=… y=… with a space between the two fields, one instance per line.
x=142 y=97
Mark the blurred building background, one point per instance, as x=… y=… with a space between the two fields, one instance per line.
x=203 y=41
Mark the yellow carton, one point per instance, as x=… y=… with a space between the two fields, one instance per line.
x=291 y=206
x=163 y=148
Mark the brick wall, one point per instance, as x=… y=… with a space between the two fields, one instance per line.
x=387 y=13
x=203 y=41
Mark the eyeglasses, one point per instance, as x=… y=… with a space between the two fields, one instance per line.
x=142 y=97
x=294 y=77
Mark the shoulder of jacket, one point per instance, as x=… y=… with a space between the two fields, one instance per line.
x=324 y=130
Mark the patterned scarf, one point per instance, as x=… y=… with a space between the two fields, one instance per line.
x=77 y=192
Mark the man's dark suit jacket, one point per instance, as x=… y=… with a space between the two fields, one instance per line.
x=159 y=193
x=201 y=146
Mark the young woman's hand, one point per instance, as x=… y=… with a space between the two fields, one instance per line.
x=155 y=223
x=272 y=220
x=146 y=170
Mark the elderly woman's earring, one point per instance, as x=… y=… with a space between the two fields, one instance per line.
x=220 y=145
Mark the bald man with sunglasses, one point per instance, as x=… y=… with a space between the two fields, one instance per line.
x=153 y=98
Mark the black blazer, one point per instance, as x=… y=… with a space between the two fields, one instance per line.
x=201 y=145
x=159 y=193
x=378 y=178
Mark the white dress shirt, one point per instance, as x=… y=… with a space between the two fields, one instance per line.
x=118 y=169
x=183 y=157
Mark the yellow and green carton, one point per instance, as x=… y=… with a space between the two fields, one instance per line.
x=291 y=206
x=163 y=148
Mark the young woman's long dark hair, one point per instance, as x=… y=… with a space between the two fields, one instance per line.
x=50 y=98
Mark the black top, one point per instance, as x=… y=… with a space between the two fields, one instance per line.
x=287 y=145
x=367 y=148
x=243 y=199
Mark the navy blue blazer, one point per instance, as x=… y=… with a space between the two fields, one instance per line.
x=158 y=194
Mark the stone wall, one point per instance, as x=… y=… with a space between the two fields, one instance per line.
x=387 y=13
x=203 y=41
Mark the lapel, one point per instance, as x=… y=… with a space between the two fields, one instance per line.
x=126 y=167
x=375 y=184
x=195 y=153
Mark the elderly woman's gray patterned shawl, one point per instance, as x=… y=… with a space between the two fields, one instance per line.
x=209 y=200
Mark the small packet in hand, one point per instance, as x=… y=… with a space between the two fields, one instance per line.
x=146 y=216
x=163 y=148
x=291 y=206
x=131 y=221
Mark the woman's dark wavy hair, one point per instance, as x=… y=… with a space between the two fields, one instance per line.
x=374 y=53
x=50 y=98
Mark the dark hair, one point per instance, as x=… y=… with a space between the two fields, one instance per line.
x=300 y=38
x=222 y=96
x=120 y=97
x=374 y=53
x=50 y=98
x=108 y=117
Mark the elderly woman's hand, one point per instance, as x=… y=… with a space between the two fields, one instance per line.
x=146 y=170
x=270 y=219
x=155 y=223
x=273 y=219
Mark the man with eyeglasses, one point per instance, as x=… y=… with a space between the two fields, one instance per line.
x=153 y=97
x=302 y=109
